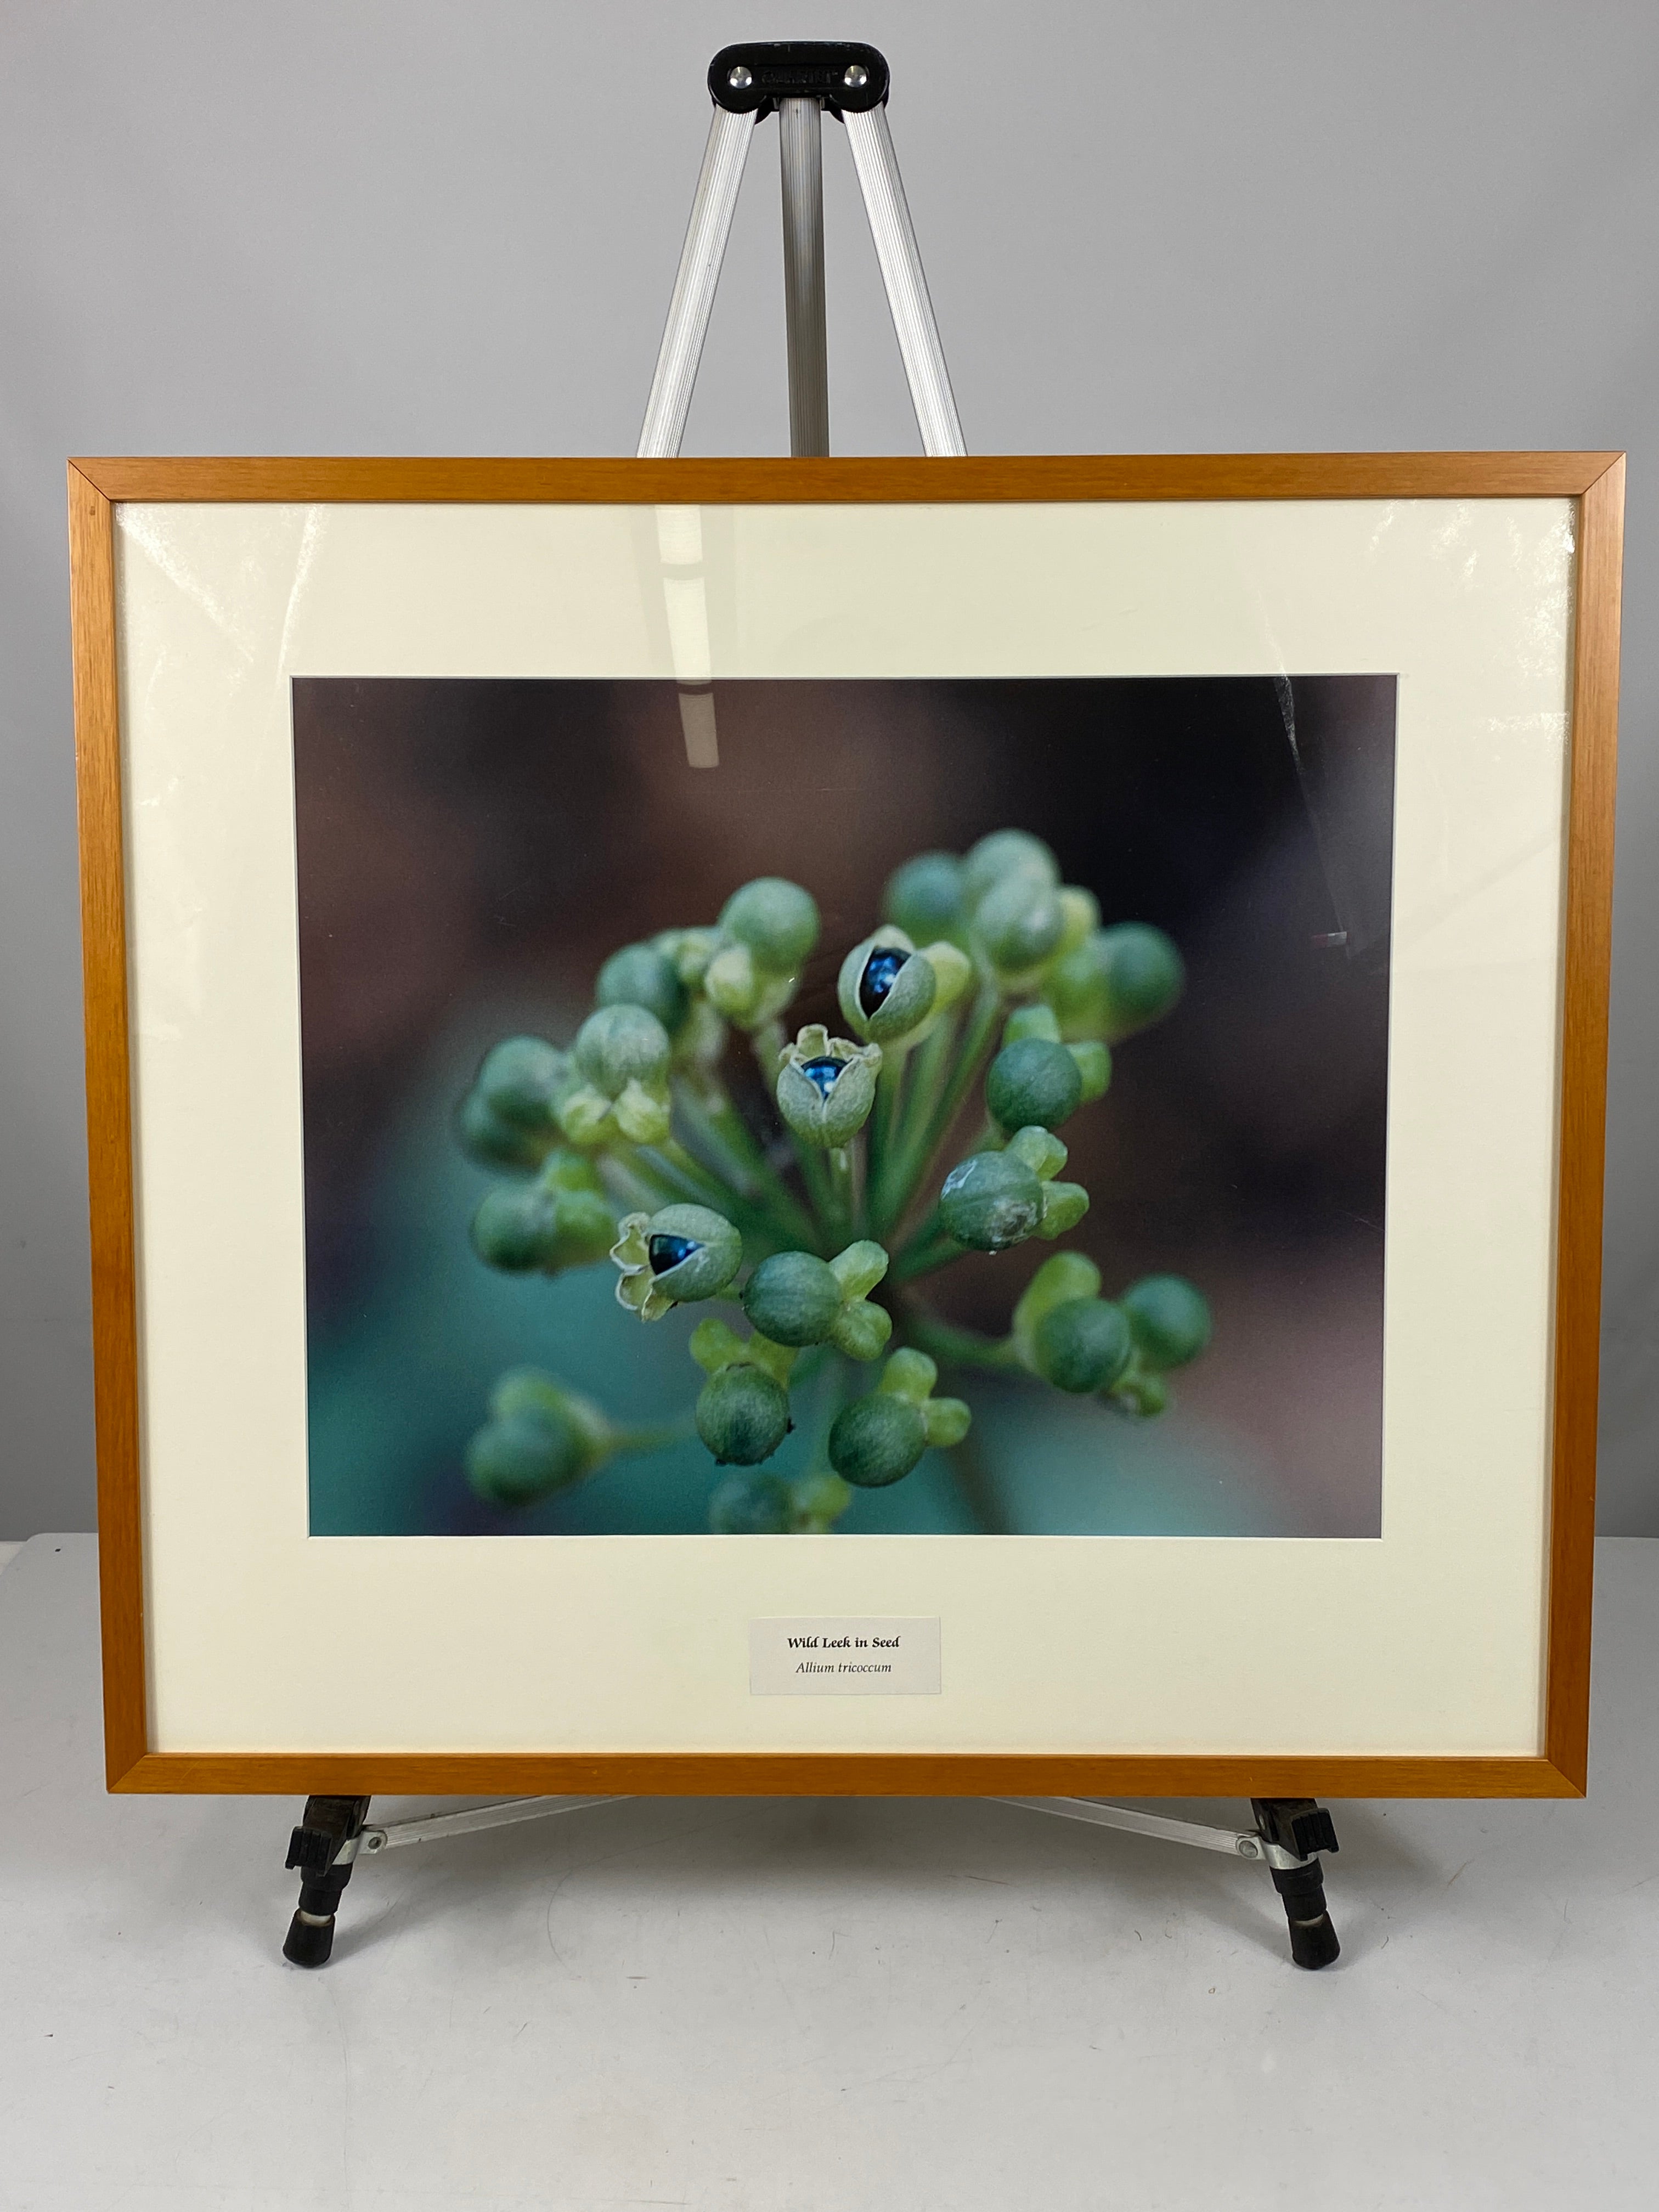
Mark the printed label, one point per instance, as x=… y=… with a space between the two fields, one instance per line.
x=841 y=1658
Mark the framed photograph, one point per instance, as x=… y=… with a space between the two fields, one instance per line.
x=870 y=1127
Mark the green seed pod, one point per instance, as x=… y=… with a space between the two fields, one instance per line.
x=876 y=1440
x=1094 y=1067
x=991 y=1200
x=532 y=1391
x=515 y=1462
x=715 y=1345
x=518 y=1080
x=1117 y=982
x=1018 y=924
x=1140 y=1394
x=1082 y=1345
x=793 y=1299
x=886 y=988
x=514 y=1229
x=1033 y=1082
x=827 y=1086
x=910 y=1374
x=644 y=976
x=674 y=1256
x=861 y=1330
x=585 y=1116
x=586 y=1228
x=1064 y=1204
x=565 y=1170
x=742 y=990
x=948 y=1420
x=743 y=1415
x=1036 y=1020
x=644 y=1117
x=1081 y=910
x=1006 y=853
x=860 y=1267
x=689 y=951
x=818 y=1501
x=1170 y=1320
x=749 y=1505
x=953 y=971
x=508 y=1120
x=775 y=919
x=490 y=1142
x=1040 y=1150
x=1068 y=1275
x=543 y=1227
x=924 y=898
x=620 y=1045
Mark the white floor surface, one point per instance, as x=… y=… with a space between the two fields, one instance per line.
x=818 y=2006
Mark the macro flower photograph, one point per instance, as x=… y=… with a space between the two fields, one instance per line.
x=913 y=1106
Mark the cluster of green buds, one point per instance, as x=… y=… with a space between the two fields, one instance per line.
x=767 y=930
x=987 y=970
x=996 y=1198
x=878 y=1438
x=560 y=1218
x=539 y=1438
x=1118 y=1349
x=622 y=1055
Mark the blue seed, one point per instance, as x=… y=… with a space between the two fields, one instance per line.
x=823 y=1072
x=667 y=1252
x=880 y=974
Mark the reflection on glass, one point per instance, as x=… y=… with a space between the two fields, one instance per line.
x=685 y=601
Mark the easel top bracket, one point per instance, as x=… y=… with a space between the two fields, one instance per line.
x=753 y=78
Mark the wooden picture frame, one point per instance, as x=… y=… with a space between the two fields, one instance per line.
x=1593 y=482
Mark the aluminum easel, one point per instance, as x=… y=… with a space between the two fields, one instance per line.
x=801 y=83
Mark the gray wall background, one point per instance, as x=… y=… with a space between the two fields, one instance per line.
x=399 y=227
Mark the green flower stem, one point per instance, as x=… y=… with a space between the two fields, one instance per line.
x=921 y=1256
x=767 y=1043
x=884 y=1122
x=632 y=1185
x=632 y=1443
x=700 y=1188
x=715 y=1190
x=928 y=1231
x=898 y=1188
x=815 y=1174
x=752 y=1214
x=743 y=1164
x=830 y=1395
x=841 y=1194
x=975 y=1488
x=951 y=1345
x=930 y=1065
x=668 y=1178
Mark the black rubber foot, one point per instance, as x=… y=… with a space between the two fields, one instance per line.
x=1302 y=1892
x=328 y=1825
x=309 y=1942
x=1313 y=1942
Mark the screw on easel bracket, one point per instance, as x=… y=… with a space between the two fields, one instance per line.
x=752 y=78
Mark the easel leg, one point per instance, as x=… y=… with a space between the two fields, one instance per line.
x=1299 y=1828
x=323 y=1848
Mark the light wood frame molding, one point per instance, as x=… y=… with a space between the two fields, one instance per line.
x=1595 y=480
